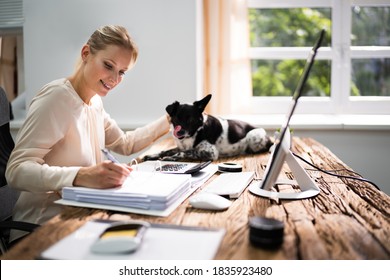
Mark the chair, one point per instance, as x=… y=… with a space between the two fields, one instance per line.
x=8 y=195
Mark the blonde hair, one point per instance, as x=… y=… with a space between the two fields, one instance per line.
x=112 y=35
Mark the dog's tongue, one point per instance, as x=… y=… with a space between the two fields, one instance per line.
x=176 y=130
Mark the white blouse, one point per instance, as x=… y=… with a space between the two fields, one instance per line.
x=60 y=135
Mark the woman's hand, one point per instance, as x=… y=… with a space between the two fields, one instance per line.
x=103 y=175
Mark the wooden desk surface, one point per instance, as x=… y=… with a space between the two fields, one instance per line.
x=348 y=220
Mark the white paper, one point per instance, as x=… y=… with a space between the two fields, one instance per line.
x=159 y=243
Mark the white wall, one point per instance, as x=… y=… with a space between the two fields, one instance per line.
x=367 y=152
x=165 y=31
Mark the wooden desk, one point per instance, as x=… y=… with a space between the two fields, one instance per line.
x=348 y=220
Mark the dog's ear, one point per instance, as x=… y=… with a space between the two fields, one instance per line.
x=171 y=109
x=201 y=104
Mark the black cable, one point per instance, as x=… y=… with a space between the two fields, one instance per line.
x=337 y=175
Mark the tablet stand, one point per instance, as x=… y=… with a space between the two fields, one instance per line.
x=306 y=184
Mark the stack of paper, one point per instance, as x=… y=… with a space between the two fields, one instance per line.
x=141 y=190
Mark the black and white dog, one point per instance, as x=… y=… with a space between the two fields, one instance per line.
x=204 y=137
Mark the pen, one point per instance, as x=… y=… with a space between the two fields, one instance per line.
x=109 y=156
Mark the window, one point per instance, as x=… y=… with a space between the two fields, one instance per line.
x=351 y=74
x=11 y=47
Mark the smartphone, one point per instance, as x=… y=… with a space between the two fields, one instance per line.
x=121 y=238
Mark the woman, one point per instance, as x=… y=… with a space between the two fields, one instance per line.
x=66 y=127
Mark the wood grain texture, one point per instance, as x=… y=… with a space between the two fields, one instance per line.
x=349 y=219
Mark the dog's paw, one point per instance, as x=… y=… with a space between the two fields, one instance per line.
x=151 y=157
x=177 y=156
x=171 y=158
x=258 y=141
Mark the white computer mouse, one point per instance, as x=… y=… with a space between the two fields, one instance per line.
x=209 y=201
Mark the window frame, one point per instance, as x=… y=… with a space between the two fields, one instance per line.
x=340 y=55
x=11 y=17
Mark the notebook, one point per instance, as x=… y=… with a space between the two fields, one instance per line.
x=145 y=192
x=152 y=191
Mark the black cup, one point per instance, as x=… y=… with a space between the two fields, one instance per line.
x=266 y=233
